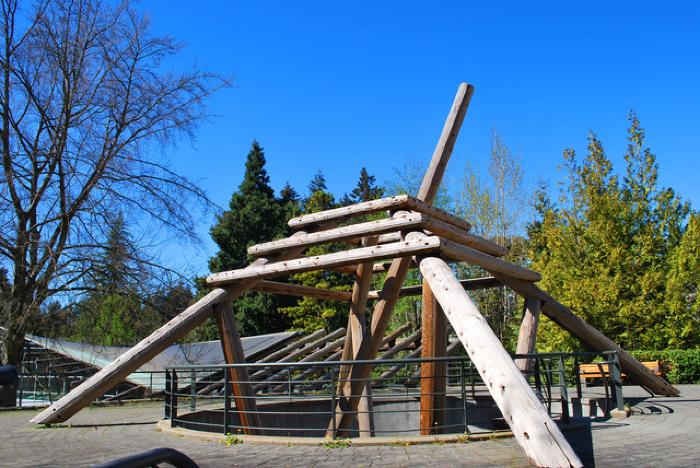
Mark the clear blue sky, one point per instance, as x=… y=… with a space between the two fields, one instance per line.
x=341 y=85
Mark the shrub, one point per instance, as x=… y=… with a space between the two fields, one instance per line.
x=684 y=364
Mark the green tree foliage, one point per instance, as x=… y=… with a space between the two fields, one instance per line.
x=309 y=313
x=611 y=247
x=255 y=215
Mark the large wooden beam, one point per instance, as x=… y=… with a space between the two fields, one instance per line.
x=369 y=228
x=232 y=347
x=442 y=229
x=406 y=248
x=433 y=382
x=528 y=333
x=299 y=290
x=468 y=285
x=399 y=202
x=145 y=350
x=590 y=336
x=532 y=427
x=396 y=275
x=356 y=335
x=458 y=252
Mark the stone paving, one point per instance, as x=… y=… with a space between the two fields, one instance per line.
x=661 y=432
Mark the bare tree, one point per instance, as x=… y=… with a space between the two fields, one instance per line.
x=85 y=102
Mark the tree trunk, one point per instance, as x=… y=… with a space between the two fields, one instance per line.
x=12 y=348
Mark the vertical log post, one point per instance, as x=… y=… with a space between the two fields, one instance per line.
x=356 y=334
x=433 y=381
x=528 y=333
x=233 y=354
x=532 y=427
x=398 y=269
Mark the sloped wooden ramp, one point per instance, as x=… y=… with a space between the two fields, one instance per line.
x=413 y=234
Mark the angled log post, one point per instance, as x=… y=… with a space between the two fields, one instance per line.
x=532 y=427
x=147 y=349
x=398 y=269
x=589 y=335
x=243 y=393
x=356 y=334
x=433 y=381
x=528 y=334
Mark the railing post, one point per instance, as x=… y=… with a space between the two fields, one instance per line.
x=227 y=401
x=333 y=421
x=173 y=399
x=21 y=391
x=168 y=385
x=615 y=376
x=577 y=377
x=464 y=398
x=193 y=391
x=538 y=379
x=563 y=392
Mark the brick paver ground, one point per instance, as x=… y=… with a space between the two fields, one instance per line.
x=661 y=432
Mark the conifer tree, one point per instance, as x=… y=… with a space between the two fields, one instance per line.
x=255 y=215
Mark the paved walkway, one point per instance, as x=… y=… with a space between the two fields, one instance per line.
x=662 y=432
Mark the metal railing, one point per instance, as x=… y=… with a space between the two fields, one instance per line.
x=299 y=398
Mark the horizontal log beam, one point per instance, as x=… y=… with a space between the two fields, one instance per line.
x=422 y=246
x=299 y=290
x=410 y=221
x=346 y=212
x=449 y=232
x=468 y=284
x=454 y=251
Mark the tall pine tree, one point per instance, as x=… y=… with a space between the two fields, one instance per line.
x=255 y=215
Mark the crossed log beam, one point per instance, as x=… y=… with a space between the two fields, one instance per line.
x=414 y=234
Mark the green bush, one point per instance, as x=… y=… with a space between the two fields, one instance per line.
x=684 y=364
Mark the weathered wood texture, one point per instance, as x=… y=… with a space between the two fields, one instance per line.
x=373 y=206
x=590 y=336
x=145 y=350
x=532 y=427
x=410 y=221
x=468 y=284
x=458 y=252
x=464 y=238
x=528 y=333
x=348 y=257
x=232 y=348
x=399 y=267
x=433 y=382
x=290 y=289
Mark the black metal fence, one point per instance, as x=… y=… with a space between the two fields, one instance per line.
x=298 y=399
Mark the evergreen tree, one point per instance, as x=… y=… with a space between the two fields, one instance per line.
x=366 y=188
x=605 y=248
x=311 y=314
x=255 y=215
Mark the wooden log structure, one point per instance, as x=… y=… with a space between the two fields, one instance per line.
x=146 y=349
x=590 y=336
x=433 y=382
x=290 y=289
x=399 y=267
x=243 y=394
x=528 y=334
x=532 y=426
x=407 y=248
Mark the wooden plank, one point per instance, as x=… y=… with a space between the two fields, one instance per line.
x=532 y=426
x=369 y=228
x=408 y=248
x=396 y=275
x=590 y=336
x=345 y=212
x=462 y=253
x=528 y=333
x=145 y=350
x=232 y=347
x=449 y=232
x=433 y=383
x=291 y=289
